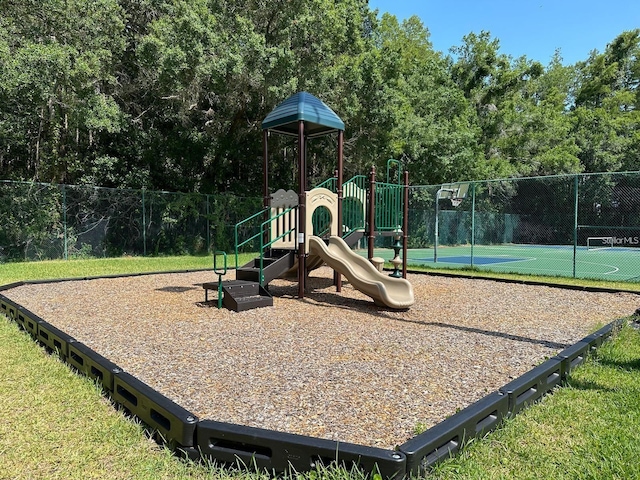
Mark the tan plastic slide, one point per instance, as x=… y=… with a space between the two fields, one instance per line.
x=384 y=290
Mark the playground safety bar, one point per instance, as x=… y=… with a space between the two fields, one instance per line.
x=283 y=452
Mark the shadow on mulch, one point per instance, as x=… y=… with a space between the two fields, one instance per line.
x=175 y=289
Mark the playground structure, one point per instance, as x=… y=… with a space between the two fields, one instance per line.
x=304 y=230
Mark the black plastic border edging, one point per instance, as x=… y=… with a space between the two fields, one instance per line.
x=54 y=339
x=9 y=286
x=447 y=437
x=92 y=364
x=99 y=277
x=176 y=424
x=187 y=435
x=278 y=451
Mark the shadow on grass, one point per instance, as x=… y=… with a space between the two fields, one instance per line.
x=624 y=365
x=585 y=385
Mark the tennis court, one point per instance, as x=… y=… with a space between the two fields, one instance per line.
x=609 y=263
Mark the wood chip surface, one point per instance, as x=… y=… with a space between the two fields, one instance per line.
x=332 y=365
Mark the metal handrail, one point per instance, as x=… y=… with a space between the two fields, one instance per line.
x=238 y=245
x=329 y=184
x=263 y=247
x=260 y=235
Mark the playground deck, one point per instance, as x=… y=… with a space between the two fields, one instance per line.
x=332 y=365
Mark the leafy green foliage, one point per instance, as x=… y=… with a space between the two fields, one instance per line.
x=170 y=95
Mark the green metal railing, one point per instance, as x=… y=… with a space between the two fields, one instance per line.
x=354 y=210
x=354 y=217
x=388 y=206
x=264 y=231
x=236 y=237
x=329 y=184
x=389 y=200
x=399 y=170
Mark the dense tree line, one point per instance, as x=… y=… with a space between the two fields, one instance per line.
x=170 y=94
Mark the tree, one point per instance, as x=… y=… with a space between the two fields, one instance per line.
x=57 y=85
x=430 y=123
x=605 y=116
x=495 y=85
x=536 y=136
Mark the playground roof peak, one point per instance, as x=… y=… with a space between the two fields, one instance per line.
x=318 y=117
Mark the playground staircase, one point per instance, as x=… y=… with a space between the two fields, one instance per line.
x=247 y=290
x=241 y=295
x=274 y=265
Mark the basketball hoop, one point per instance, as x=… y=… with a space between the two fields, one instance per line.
x=455 y=192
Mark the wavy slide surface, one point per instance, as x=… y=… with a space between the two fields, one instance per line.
x=384 y=290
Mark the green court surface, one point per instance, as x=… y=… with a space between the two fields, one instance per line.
x=610 y=263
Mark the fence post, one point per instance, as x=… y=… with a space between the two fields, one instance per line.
x=64 y=223
x=473 y=219
x=144 y=228
x=435 y=234
x=209 y=228
x=575 y=221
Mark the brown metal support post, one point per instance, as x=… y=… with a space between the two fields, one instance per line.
x=337 y=278
x=301 y=209
x=405 y=224
x=372 y=212
x=266 y=198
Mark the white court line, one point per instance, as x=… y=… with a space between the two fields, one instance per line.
x=615 y=269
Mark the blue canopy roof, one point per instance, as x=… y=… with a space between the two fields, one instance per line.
x=318 y=117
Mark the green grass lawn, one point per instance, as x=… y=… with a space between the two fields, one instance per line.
x=57 y=424
x=18 y=271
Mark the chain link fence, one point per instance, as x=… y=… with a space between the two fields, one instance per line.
x=576 y=225
x=45 y=221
